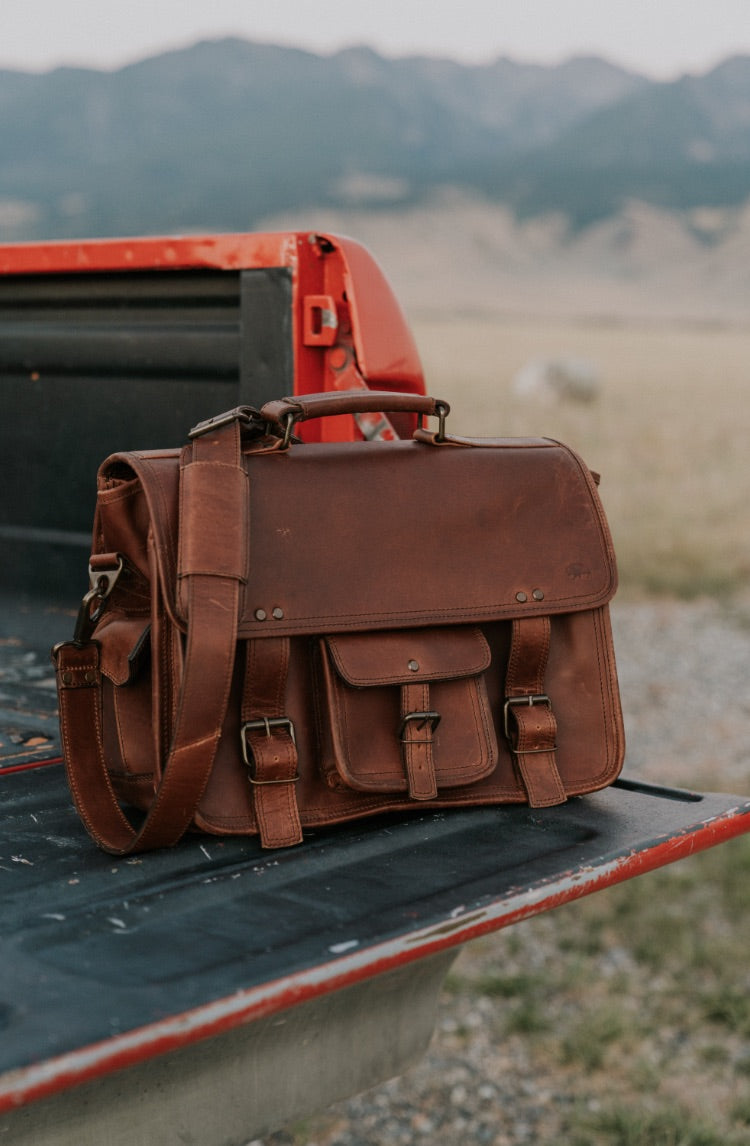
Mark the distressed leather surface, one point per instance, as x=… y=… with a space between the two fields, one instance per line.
x=371 y=682
x=358 y=536
x=357 y=560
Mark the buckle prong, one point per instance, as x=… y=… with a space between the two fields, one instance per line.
x=424 y=718
x=511 y=701
x=267 y=723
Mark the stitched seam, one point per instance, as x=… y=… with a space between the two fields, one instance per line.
x=484 y=612
x=392 y=678
x=73 y=778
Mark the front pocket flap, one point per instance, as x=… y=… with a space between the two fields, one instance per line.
x=409 y=655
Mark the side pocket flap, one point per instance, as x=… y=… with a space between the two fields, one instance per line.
x=409 y=655
x=125 y=648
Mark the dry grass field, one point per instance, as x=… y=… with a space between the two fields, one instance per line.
x=669 y=430
x=623 y=1019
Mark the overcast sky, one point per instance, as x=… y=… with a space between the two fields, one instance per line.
x=663 y=38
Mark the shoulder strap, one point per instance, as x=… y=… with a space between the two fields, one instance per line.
x=213 y=553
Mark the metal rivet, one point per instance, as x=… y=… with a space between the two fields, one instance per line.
x=260 y=614
x=414 y=666
x=278 y=614
x=538 y=595
x=521 y=597
x=67 y=678
x=90 y=676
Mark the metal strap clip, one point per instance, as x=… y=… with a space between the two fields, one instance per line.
x=245 y=414
x=102 y=582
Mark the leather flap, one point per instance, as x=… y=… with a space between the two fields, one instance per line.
x=409 y=657
x=357 y=536
x=124 y=647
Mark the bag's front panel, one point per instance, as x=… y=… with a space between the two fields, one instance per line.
x=351 y=759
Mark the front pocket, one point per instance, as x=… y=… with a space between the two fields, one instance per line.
x=406 y=711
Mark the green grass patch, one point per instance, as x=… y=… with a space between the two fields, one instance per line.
x=729 y=1005
x=627 y=1126
x=529 y=1016
x=522 y=985
x=586 y=1043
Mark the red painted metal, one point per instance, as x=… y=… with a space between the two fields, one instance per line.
x=29 y=766
x=364 y=341
x=222 y=252
x=89 y=1063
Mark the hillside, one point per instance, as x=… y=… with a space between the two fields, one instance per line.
x=460 y=255
x=217 y=135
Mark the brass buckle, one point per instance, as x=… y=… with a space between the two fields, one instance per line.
x=531 y=700
x=431 y=718
x=267 y=723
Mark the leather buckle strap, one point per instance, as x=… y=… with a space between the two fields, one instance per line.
x=417 y=748
x=528 y=718
x=268 y=724
x=269 y=742
x=510 y=702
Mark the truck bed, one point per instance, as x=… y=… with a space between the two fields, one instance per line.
x=171 y=965
x=212 y=992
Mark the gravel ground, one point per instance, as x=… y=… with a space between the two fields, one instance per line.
x=683 y=671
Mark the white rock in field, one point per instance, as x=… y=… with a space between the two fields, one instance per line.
x=561 y=379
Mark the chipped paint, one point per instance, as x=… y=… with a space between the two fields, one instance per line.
x=340 y=948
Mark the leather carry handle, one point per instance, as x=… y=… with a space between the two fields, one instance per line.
x=284 y=413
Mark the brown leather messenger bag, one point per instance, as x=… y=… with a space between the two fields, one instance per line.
x=281 y=635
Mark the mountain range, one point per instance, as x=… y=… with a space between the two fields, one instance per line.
x=220 y=135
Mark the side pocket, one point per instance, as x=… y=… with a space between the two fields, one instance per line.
x=406 y=711
x=127 y=715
